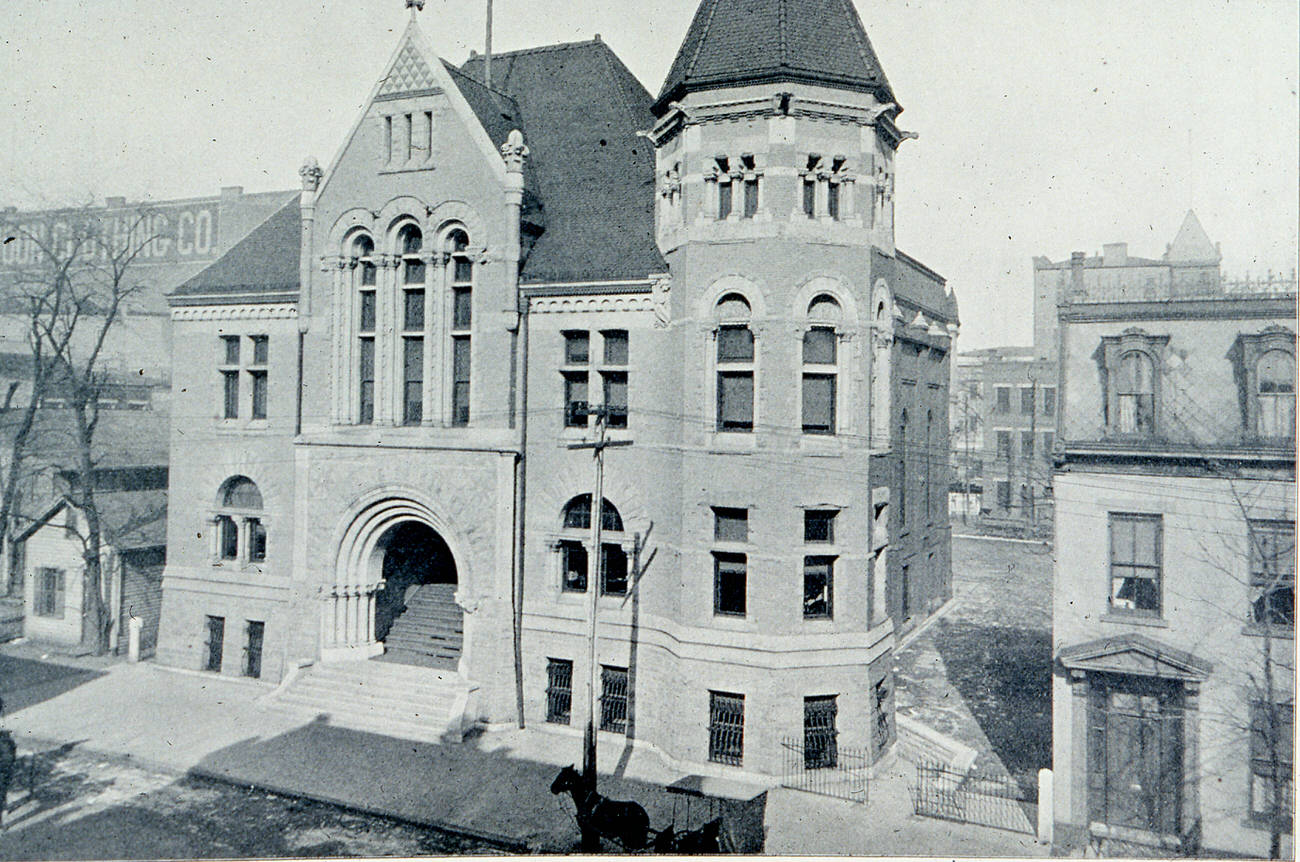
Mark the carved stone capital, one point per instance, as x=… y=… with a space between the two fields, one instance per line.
x=311 y=174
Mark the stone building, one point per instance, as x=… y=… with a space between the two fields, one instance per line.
x=371 y=449
x=1174 y=588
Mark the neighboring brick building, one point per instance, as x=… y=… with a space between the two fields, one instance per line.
x=1175 y=560
x=372 y=423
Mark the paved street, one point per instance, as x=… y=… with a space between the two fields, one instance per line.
x=981 y=673
x=78 y=805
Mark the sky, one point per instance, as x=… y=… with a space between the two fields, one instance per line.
x=1045 y=126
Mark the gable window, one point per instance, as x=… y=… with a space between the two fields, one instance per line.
x=239 y=531
x=735 y=366
x=1135 y=569
x=1272 y=752
x=726 y=728
x=462 y=279
x=730 y=566
x=1132 y=371
x=1003 y=399
x=574 y=547
x=1275 y=375
x=50 y=599
x=1272 y=573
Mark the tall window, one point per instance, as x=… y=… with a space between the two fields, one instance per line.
x=577 y=360
x=902 y=469
x=574 y=549
x=257 y=371
x=240 y=534
x=730 y=565
x=254 y=636
x=820 y=747
x=1135 y=554
x=230 y=376
x=735 y=365
x=722 y=171
x=613 y=377
x=749 y=178
x=1272 y=747
x=462 y=274
x=1026 y=445
x=726 y=728
x=1027 y=400
x=1135 y=392
x=1272 y=572
x=820 y=367
x=413 y=278
x=1003 y=399
x=818 y=568
x=49 y=593
x=363 y=250
x=559 y=690
x=1004 y=444
x=613 y=699
x=808 y=174
x=1275 y=376
x=1049 y=400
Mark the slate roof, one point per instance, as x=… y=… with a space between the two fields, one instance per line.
x=123 y=438
x=265 y=262
x=580 y=110
x=732 y=42
x=1192 y=244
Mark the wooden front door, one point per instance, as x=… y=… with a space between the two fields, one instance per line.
x=1135 y=753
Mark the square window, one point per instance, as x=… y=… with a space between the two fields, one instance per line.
x=729 y=578
x=577 y=348
x=730 y=525
x=819 y=525
x=232 y=349
x=575 y=399
x=573 y=567
x=726 y=728
x=615 y=384
x=615 y=346
x=613 y=574
x=735 y=344
x=261 y=347
x=736 y=401
x=818 y=581
x=1026 y=444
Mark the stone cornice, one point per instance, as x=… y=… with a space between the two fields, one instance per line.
x=593 y=302
x=268 y=311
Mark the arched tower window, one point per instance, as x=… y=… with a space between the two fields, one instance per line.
x=821 y=366
x=363 y=264
x=411 y=242
x=573 y=547
x=461 y=268
x=735 y=364
x=239 y=531
x=1275 y=375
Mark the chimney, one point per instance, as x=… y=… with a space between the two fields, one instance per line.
x=1076 y=275
x=1114 y=254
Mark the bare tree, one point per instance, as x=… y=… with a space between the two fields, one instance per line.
x=78 y=289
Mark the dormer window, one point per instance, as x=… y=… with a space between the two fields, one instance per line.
x=1265 y=368
x=1132 y=364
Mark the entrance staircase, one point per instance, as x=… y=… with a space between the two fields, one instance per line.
x=430 y=632
x=384 y=698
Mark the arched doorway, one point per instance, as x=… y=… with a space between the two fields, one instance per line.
x=416 y=615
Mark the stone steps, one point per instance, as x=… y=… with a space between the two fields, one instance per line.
x=430 y=631
x=391 y=699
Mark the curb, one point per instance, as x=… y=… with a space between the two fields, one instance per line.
x=498 y=840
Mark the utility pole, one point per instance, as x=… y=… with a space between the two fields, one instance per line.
x=1033 y=443
x=595 y=560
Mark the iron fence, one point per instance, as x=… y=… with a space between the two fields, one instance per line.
x=971 y=797
x=844 y=775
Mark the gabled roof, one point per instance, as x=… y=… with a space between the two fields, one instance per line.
x=264 y=263
x=580 y=111
x=733 y=42
x=1192 y=245
x=129 y=520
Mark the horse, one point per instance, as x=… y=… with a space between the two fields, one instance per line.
x=623 y=821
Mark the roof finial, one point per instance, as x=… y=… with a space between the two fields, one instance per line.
x=415 y=6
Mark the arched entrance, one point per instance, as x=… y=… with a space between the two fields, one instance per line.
x=416 y=615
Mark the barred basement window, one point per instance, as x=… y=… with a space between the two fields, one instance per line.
x=559 y=690
x=726 y=728
x=880 y=730
x=613 y=699
x=820 y=749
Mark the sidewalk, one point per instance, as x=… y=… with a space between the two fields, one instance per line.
x=494 y=786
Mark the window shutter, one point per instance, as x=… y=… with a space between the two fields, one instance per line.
x=58 y=594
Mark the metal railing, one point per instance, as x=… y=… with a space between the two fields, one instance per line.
x=842 y=775
x=948 y=793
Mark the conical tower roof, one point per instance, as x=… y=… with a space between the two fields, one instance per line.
x=736 y=42
x=1192 y=243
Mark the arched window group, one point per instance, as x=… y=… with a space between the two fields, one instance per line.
x=399 y=320
x=574 y=547
x=239 y=528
